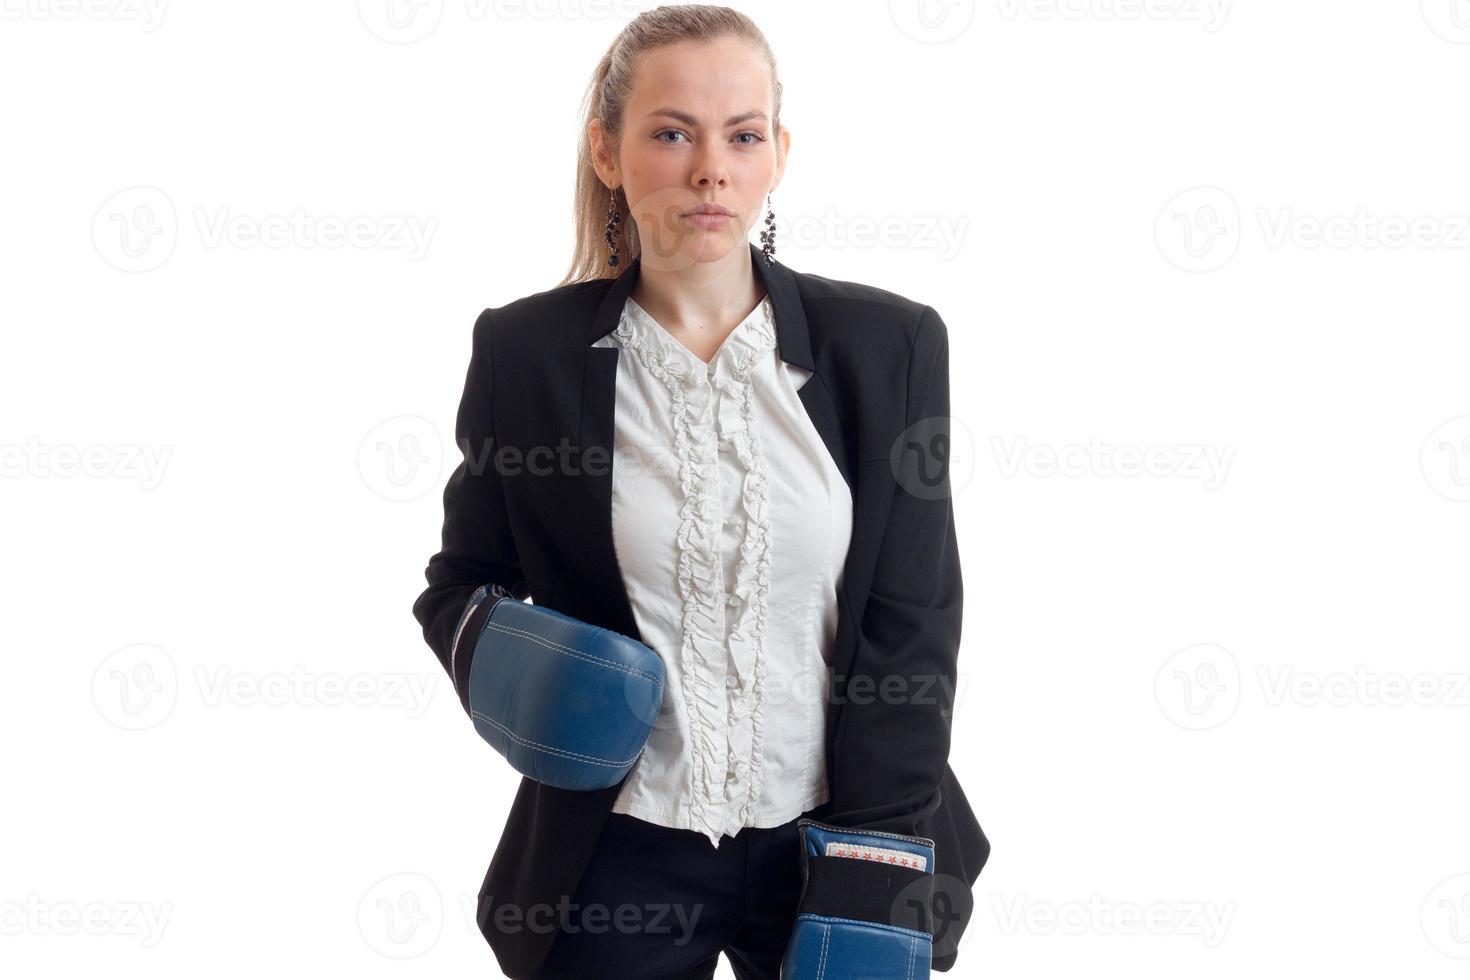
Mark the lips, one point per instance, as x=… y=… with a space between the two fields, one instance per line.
x=711 y=209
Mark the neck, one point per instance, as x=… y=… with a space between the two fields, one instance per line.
x=704 y=300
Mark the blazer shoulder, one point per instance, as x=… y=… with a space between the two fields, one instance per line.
x=841 y=310
x=528 y=319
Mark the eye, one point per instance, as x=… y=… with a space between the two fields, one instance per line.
x=662 y=132
x=749 y=132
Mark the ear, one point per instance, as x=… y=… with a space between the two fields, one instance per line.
x=783 y=147
x=603 y=160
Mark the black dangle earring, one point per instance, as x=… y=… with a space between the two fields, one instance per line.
x=610 y=233
x=768 y=237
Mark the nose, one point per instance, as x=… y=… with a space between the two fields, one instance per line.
x=710 y=168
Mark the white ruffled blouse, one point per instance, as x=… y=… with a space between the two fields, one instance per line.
x=731 y=525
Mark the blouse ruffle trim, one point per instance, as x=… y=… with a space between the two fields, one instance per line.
x=699 y=541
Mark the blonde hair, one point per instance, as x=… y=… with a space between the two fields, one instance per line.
x=607 y=97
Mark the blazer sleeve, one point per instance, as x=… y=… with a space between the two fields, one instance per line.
x=478 y=551
x=891 y=745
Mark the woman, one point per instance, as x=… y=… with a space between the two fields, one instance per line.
x=734 y=463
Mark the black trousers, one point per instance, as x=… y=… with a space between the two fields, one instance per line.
x=662 y=904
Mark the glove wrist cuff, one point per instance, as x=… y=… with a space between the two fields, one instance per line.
x=869 y=876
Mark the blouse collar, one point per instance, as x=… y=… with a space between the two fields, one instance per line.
x=787 y=306
x=736 y=357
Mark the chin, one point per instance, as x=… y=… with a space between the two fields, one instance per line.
x=697 y=249
x=713 y=246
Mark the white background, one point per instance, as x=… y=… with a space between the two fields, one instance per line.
x=1213 y=714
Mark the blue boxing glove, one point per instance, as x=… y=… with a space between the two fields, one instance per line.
x=864 y=909
x=568 y=703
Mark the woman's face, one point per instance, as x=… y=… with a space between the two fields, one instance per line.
x=696 y=132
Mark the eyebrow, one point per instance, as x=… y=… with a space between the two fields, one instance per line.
x=689 y=120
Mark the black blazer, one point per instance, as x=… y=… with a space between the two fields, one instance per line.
x=537 y=519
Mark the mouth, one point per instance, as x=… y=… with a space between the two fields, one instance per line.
x=718 y=209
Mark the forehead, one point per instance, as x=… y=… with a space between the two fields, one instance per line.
x=720 y=77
